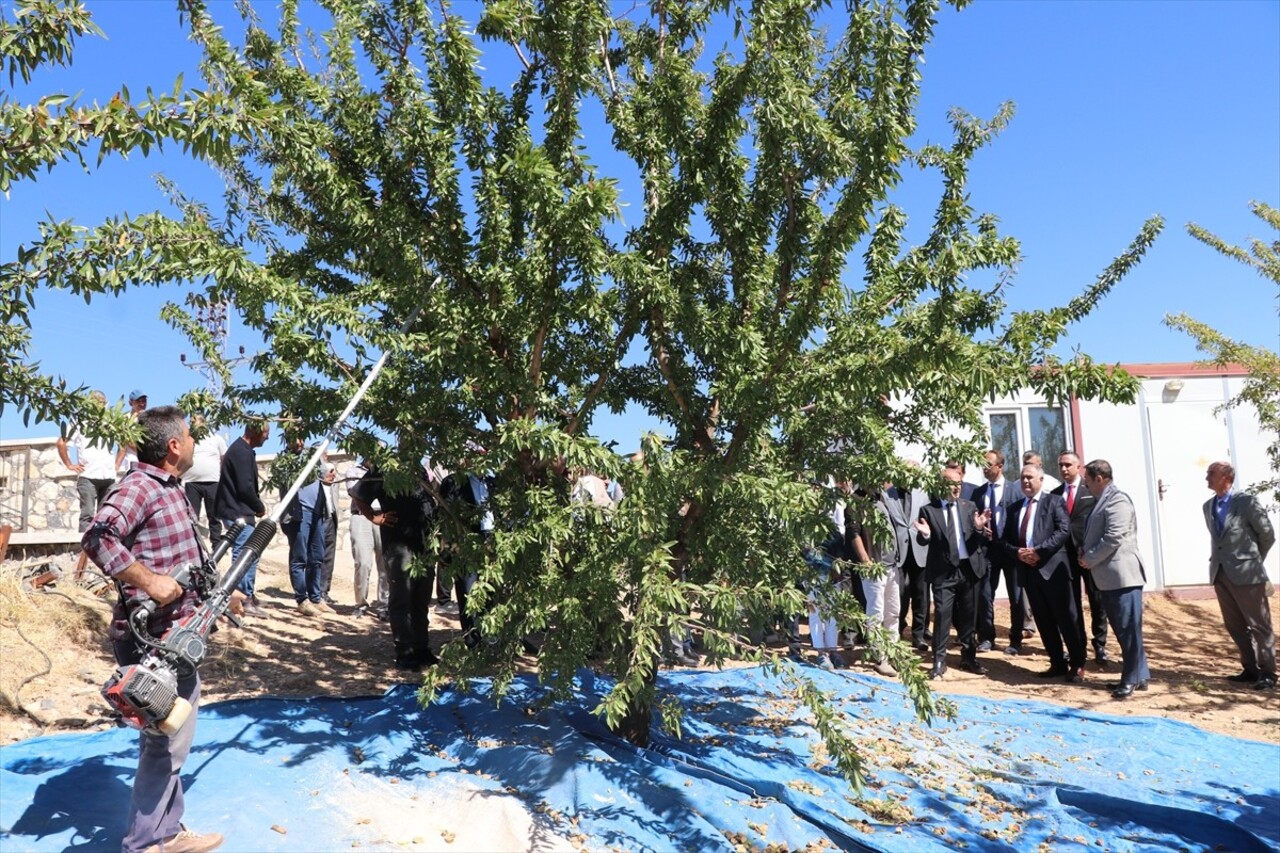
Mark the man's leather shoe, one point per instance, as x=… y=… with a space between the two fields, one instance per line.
x=1053 y=671
x=973 y=666
x=937 y=672
x=923 y=647
x=416 y=662
x=1245 y=677
x=1116 y=685
x=1075 y=676
x=1124 y=691
x=187 y=841
x=1265 y=682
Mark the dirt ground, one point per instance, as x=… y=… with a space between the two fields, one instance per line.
x=53 y=661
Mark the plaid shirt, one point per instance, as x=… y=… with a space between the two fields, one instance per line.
x=145 y=518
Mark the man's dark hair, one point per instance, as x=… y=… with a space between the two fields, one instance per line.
x=1226 y=469
x=1099 y=469
x=1069 y=452
x=159 y=426
x=255 y=427
x=999 y=455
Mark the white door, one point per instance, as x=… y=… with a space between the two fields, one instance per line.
x=1185 y=438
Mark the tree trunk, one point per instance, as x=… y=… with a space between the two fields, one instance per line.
x=638 y=721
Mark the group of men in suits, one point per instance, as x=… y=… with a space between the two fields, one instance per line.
x=1056 y=549
x=1048 y=546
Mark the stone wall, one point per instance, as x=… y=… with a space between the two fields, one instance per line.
x=38 y=499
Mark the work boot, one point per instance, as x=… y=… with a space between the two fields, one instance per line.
x=187 y=841
x=323 y=606
x=306 y=608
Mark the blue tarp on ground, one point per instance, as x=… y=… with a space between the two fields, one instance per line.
x=1004 y=775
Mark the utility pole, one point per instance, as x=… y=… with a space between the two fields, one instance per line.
x=213 y=317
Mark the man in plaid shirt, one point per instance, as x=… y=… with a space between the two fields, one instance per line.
x=143 y=532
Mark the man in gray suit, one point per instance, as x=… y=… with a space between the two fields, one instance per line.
x=1109 y=549
x=1240 y=535
x=903 y=506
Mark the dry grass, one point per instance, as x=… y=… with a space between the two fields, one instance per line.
x=44 y=635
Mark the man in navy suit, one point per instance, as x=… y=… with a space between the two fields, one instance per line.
x=955 y=567
x=1036 y=535
x=995 y=497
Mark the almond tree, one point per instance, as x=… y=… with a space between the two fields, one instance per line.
x=37 y=137
x=551 y=209
x=1262 y=389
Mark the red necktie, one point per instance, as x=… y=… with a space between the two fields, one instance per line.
x=1026 y=521
x=1071 y=497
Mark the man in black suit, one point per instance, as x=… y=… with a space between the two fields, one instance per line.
x=1036 y=535
x=993 y=500
x=1079 y=504
x=238 y=497
x=955 y=566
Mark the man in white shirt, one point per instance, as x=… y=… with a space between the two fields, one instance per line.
x=201 y=479
x=128 y=453
x=1051 y=482
x=95 y=467
x=1036 y=534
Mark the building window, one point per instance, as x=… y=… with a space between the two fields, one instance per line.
x=1048 y=433
x=1004 y=436
x=1039 y=428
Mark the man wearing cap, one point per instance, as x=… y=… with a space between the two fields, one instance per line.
x=128 y=453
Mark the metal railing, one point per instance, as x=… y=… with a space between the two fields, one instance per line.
x=15 y=486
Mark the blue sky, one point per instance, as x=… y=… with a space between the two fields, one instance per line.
x=1124 y=109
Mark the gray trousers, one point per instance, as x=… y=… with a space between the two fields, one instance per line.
x=366 y=553
x=90 y=492
x=330 y=553
x=155 y=812
x=1124 y=611
x=1246 y=613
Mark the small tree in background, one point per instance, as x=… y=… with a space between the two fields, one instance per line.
x=452 y=191
x=1262 y=388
